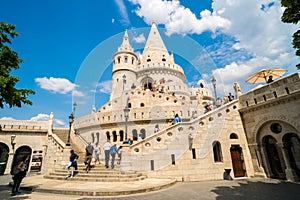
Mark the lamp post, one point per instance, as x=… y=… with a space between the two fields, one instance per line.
x=213 y=81
x=12 y=139
x=126 y=114
x=71 y=120
x=124 y=81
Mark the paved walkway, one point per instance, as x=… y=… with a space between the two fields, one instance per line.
x=254 y=189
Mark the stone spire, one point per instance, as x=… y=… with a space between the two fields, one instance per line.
x=154 y=41
x=125 y=46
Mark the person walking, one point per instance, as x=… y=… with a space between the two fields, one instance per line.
x=88 y=157
x=97 y=153
x=112 y=152
x=22 y=168
x=106 y=148
x=119 y=152
x=73 y=163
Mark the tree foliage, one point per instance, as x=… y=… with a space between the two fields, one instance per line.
x=9 y=61
x=291 y=14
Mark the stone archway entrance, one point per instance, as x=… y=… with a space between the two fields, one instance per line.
x=237 y=161
x=273 y=157
x=4 y=150
x=20 y=153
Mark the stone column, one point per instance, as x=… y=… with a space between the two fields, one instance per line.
x=256 y=149
x=9 y=162
x=289 y=172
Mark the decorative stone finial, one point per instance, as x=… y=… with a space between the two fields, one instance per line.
x=237 y=89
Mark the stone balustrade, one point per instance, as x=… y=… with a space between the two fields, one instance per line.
x=272 y=91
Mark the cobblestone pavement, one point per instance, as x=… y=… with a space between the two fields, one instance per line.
x=254 y=189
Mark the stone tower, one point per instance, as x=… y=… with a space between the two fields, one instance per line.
x=124 y=64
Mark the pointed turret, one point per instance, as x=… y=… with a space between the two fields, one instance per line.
x=155 y=50
x=154 y=41
x=125 y=46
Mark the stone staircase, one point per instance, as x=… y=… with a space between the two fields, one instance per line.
x=62 y=133
x=97 y=174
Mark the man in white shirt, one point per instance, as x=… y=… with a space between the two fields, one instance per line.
x=106 y=148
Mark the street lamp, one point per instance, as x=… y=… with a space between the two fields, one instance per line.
x=126 y=114
x=124 y=81
x=71 y=120
x=213 y=81
x=12 y=139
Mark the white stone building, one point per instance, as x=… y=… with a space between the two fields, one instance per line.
x=238 y=136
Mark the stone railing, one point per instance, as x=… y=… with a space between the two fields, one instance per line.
x=170 y=144
x=24 y=126
x=160 y=65
x=277 y=89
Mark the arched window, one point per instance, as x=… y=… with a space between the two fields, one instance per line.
x=126 y=59
x=97 y=135
x=93 y=137
x=129 y=105
x=142 y=104
x=119 y=60
x=114 y=136
x=107 y=136
x=217 y=151
x=143 y=133
x=121 y=133
x=134 y=135
x=233 y=136
x=132 y=60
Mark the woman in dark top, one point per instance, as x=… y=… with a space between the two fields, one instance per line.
x=22 y=167
x=72 y=163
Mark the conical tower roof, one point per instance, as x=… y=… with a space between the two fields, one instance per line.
x=154 y=41
x=125 y=46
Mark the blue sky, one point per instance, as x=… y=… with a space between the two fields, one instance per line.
x=66 y=46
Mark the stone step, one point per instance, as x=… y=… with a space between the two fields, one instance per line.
x=104 y=171
x=97 y=189
x=89 y=175
x=92 y=179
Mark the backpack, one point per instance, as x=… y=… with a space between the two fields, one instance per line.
x=113 y=150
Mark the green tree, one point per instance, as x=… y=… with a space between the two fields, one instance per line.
x=291 y=14
x=9 y=61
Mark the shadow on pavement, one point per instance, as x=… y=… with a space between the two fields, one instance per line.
x=259 y=190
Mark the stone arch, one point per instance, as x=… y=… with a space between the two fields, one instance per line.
x=273 y=158
x=282 y=118
x=134 y=135
x=143 y=133
x=217 y=151
x=20 y=153
x=107 y=135
x=4 y=152
x=275 y=147
x=115 y=137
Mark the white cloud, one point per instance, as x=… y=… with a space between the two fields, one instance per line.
x=123 y=12
x=45 y=117
x=177 y=18
x=7 y=118
x=77 y=93
x=261 y=33
x=56 y=85
x=40 y=117
x=140 y=38
x=105 y=87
